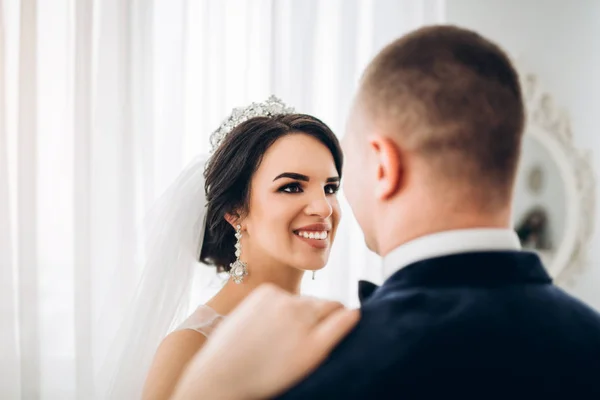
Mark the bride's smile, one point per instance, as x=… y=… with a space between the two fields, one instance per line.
x=315 y=235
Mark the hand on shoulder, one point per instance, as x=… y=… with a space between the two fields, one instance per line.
x=269 y=342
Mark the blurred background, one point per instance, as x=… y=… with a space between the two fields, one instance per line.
x=103 y=102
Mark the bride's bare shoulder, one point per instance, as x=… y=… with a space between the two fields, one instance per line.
x=172 y=356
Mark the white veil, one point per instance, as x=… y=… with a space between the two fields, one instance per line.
x=174 y=232
x=173 y=237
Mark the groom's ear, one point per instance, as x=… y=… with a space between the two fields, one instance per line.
x=389 y=166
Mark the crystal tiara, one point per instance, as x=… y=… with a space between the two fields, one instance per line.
x=272 y=106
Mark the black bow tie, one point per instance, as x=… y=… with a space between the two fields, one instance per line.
x=365 y=290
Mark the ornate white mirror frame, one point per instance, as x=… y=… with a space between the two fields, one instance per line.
x=550 y=127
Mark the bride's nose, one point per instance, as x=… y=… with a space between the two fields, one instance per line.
x=319 y=205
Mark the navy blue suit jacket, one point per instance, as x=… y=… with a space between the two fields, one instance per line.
x=468 y=326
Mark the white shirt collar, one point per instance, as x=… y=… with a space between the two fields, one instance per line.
x=449 y=242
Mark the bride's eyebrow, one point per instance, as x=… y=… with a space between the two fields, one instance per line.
x=292 y=175
x=301 y=177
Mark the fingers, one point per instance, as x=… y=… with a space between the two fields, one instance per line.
x=332 y=330
x=324 y=337
x=324 y=309
x=328 y=317
x=312 y=310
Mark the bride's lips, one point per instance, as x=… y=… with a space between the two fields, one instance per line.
x=315 y=235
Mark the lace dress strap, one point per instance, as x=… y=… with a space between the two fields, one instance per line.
x=203 y=320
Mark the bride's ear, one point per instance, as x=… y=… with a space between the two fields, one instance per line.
x=233 y=219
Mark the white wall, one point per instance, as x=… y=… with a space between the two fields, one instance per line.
x=560 y=42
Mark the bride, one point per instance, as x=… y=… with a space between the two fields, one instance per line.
x=262 y=208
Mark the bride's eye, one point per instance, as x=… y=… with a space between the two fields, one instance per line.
x=332 y=189
x=291 y=188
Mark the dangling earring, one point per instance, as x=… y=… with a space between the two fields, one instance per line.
x=314 y=275
x=238 y=269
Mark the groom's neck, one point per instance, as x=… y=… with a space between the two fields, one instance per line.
x=400 y=227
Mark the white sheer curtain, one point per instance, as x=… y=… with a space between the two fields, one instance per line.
x=102 y=102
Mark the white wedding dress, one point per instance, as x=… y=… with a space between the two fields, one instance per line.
x=203 y=320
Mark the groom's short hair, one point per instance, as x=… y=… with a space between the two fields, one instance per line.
x=454 y=97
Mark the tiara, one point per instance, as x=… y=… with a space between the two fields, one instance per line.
x=269 y=108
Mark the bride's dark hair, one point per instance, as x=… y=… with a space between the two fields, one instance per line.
x=230 y=169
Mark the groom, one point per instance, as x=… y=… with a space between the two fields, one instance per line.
x=432 y=147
